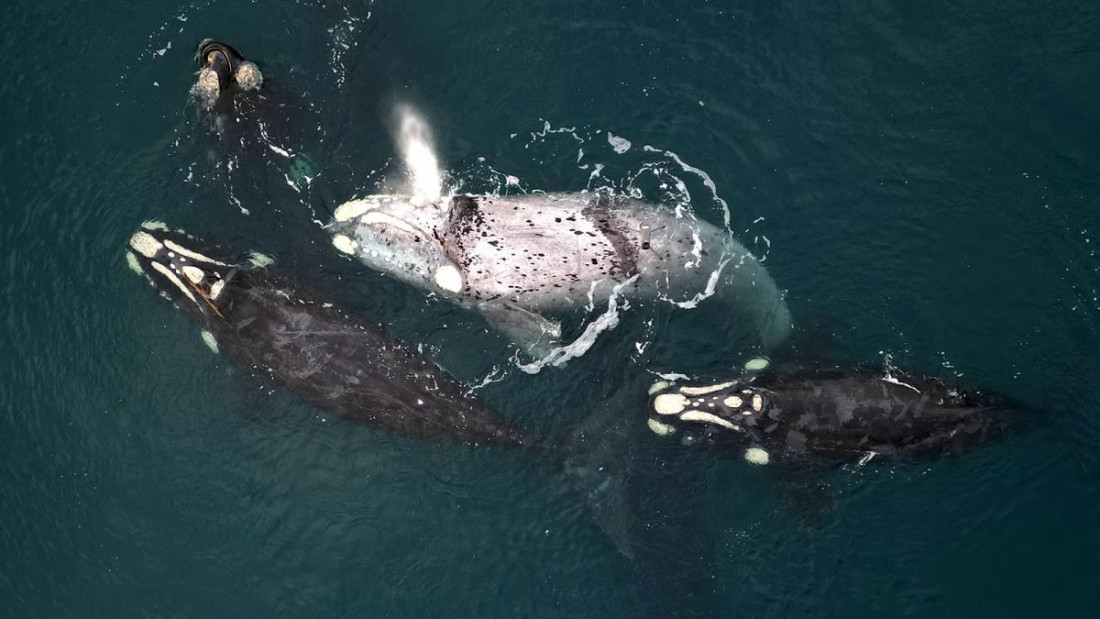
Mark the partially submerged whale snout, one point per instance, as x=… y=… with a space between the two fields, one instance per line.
x=184 y=275
x=830 y=415
x=398 y=235
x=221 y=67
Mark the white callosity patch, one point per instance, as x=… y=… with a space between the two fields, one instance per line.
x=194 y=255
x=206 y=88
x=260 y=260
x=163 y=270
x=657 y=386
x=353 y=209
x=700 y=416
x=248 y=76
x=132 y=262
x=448 y=278
x=662 y=429
x=755 y=455
x=757 y=403
x=144 y=244
x=194 y=274
x=733 y=401
x=208 y=337
x=216 y=289
x=756 y=364
x=669 y=403
x=155 y=225
x=705 y=390
x=344 y=244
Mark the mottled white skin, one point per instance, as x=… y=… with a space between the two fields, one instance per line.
x=544 y=254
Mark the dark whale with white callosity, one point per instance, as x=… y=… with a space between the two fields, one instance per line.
x=830 y=415
x=342 y=365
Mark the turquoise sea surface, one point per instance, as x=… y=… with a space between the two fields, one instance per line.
x=921 y=178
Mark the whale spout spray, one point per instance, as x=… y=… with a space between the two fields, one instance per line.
x=414 y=140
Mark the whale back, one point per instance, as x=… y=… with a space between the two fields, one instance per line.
x=548 y=251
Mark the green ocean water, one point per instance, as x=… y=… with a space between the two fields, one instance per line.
x=921 y=178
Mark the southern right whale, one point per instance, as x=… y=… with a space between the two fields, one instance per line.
x=524 y=260
x=342 y=365
x=801 y=414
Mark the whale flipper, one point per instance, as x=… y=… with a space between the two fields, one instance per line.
x=534 y=333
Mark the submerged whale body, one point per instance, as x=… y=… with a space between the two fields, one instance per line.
x=830 y=415
x=341 y=365
x=524 y=260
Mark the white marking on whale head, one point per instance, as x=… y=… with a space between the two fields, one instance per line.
x=344 y=244
x=393 y=235
x=705 y=390
x=657 y=386
x=448 y=278
x=175 y=280
x=669 y=403
x=757 y=456
x=660 y=429
x=702 y=417
x=208 y=337
x=194 y=274
x=132 y=262
x=733 y=401
x=353 y=209
x=757 y=403
x=248 y=76
x=756 y=364
x=194 y=255
x=144 y=244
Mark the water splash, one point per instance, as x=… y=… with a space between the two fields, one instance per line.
x=414 y=140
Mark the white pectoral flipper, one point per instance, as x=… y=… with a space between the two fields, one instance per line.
x=534 y=333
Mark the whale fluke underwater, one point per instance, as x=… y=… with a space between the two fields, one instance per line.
x=816 y=415
x=345 y=367
x=524 y=260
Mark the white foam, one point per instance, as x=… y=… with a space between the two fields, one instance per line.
x=605 y=322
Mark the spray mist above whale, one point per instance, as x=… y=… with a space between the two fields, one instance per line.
x=523 y=261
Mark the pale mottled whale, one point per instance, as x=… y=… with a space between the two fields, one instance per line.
x=524 y=260
x=344 y=366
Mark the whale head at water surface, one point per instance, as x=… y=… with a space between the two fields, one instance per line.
x=188 y=277
x=398 y=235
